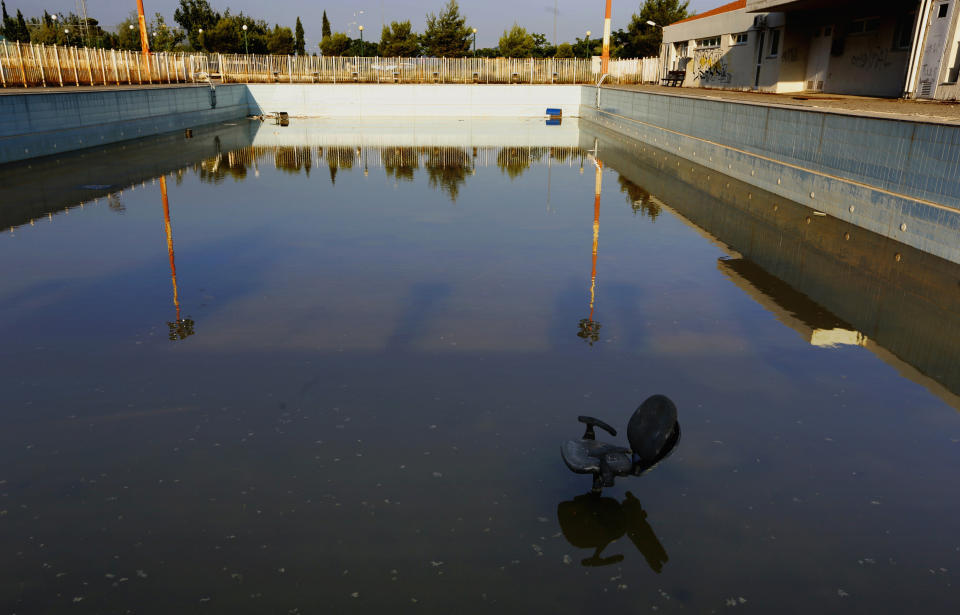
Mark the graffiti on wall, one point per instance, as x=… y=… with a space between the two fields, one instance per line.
x=710 y=66
x=875 y=58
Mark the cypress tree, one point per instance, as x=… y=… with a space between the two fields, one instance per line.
x=299 y=45
x=23 y=34
x=325 y=31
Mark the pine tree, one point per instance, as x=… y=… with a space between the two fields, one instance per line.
x=447 y=34
x=325 y=30
x=299 y=45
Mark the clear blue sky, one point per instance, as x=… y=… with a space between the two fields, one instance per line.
x=490 y=17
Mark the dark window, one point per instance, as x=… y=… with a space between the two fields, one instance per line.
x=942 y=10
x=774 y=43
x=903 y=35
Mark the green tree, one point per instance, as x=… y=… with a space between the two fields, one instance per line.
x=337 y=44
x=9 y=26
x=447 y=34
x=129 y=37
x=642 y=40
x=280 y=41
x=162 y=36
x=564 y=50
x=325 y=27
x=516 y=43
x=192 y=15
x=23 y=33
x=399 y=39
x=227 y=35
x=299 y=44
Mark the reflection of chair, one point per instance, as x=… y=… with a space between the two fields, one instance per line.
x=653 y=432
x=591 y=521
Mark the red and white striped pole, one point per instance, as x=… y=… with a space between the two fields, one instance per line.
x=605 y=58
x=144 y=40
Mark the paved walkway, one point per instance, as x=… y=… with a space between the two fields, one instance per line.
x=934 y=111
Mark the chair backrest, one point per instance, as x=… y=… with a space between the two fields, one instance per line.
x=652 y=428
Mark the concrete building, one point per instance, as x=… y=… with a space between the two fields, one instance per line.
x=895 y=48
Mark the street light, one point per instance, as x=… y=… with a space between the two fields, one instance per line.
x=653 y=23
x=361 y=40
x=474 y=42
x=588 y=52
x=246 y=45
x=67 y=32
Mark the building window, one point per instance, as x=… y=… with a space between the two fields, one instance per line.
x=681 y=49
x=713 y=41
x=738 y=39
x=903 y=34
x=942 y=10
x=864 y=25
x=774 y=43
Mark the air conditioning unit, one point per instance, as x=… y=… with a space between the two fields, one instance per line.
x=760 y=21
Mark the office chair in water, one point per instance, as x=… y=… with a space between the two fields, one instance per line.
x=653 y=432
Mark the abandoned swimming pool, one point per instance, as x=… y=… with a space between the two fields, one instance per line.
x=271 y=368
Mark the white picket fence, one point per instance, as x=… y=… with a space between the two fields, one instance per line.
x=28 y=65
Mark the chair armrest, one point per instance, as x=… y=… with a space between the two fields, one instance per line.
x=590 y=422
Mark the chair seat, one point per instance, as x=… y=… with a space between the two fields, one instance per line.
x=583 y=456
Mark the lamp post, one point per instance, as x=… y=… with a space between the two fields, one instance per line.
x=588 y=52
x=246 y=45
x=200 y=39
x=66 y=31
x=474 y=42
x=361 y=40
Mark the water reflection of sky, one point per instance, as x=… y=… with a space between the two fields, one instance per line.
x=368 y=413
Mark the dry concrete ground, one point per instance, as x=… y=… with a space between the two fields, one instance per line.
x=935 y=111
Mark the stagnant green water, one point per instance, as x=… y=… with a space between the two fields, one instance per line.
x=352 y=394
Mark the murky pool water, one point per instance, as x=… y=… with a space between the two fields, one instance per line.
x=328 y=367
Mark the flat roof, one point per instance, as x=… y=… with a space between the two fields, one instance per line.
x=726 y=8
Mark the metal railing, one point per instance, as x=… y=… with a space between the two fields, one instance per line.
x=28 y=65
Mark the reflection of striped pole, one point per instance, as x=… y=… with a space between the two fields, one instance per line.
x=605 y=58
x=144 y=41
x=166 y=222
x=596 y=233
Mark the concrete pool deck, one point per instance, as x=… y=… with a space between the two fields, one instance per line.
x=931 y=111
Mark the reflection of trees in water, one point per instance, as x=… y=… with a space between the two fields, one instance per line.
x=293 y=159
x=447 y=168
x=400 y=162
x=339 y=157
x=214 y=170
x=639 y=199
x=180 y=329
x=514 y=161
x=589 y=330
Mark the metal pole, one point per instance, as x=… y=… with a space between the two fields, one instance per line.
x=605 y=58
x=23 y=70
x=3 y=73
x=144 y=41
x=56 y=51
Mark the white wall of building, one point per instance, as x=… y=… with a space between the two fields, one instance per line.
x=728 y=62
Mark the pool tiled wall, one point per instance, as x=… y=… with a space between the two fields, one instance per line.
x=43 y=123
x=897 y=178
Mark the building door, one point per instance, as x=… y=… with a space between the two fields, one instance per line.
x=933 y=49
x=818 y=59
